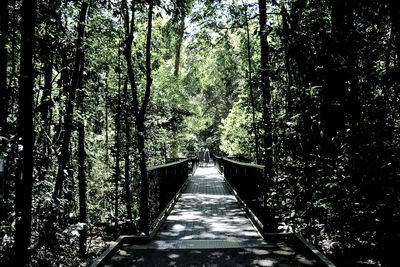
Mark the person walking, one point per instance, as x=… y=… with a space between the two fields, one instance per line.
x=206 y=156
x=201 y=157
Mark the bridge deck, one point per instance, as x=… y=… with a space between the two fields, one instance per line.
x=207 y=227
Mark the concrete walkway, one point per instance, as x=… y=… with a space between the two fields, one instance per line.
x=207 y=227
x=207 y=211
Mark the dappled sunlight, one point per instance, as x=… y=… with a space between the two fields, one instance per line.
x=218 y=257
x=207 y=210
x=207 y=225
x=264 y=262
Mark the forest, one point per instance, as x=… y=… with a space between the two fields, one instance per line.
x=94 y=92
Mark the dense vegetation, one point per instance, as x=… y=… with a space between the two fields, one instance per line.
x=95 y=92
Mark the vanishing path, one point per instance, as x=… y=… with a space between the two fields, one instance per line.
x=207 y=227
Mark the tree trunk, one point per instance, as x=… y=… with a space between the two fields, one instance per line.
x=394 y=15
x=23 y=184
x=82 y=170
x=4 y=94
x=144 y=190
x=288 y=66
x=77 y=72
x=178 y=52
x=178 y=55
x=106 y=119
x=117 y=159
x=333 y=91
x=352 y=66
x=388 y=246
x=4 y=97
x=250 y=82
x=128 y=195
x=266 y=92
x=46 y=101
x=139 y=113
x=13 y=53
x=129 y=28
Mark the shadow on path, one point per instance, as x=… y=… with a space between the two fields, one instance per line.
x=207 y=227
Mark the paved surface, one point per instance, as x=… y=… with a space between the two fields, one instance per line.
x=207 y=211
x=207 y=227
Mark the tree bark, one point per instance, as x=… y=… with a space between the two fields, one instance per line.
x=394 y=15
x=106 y=119
x=82 y=170
x=178 y=52
x=23 y=184
x=333 y=91
x=128 y=195
x=289 y=70
x=266 y=92
x=250 y=82
x=129 y=29
x=139 y=113
x=144 y=190
x=4 y=94
x=177 y=66
x=46 y=101
x=117 y=159
x=77 y=72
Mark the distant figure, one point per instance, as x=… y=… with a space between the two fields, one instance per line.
x=201 y=157
x=206 y=156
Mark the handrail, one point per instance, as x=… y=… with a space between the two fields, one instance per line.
x=244 y=163
x=152 y=168
x=250 y=189
x=162 y=199
x=165 y=181
x=247 y=183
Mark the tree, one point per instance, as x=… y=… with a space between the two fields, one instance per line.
x=140 y=113
x=128 y=194
x=266 y=93
x=117 y=173
x=81 y=168
x=333 y=91
x=250 y=84
x=4 y=98
x=68 y=126
x=23 y=185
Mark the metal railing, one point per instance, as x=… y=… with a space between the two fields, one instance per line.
x=248 y=182
x=165 y=184
x=165 y=181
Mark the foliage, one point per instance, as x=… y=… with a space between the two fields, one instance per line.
x=333 y=68
x=237 y=136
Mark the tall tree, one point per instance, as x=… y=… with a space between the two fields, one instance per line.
x=68 y=125
x=266 y=92
x=251 y=87
x=128 y=195
x=140 y=120
x=139 y=112
x=117 y=173
x=395 y=19
x=180 y=19
x=23 y=184
x=333 y=90
x=82 y=169
x=50 y=19
x=180 y=14
x=3 y=70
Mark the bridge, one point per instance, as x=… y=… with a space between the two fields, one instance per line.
x=209 y=216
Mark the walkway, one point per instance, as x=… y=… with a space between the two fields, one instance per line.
x=207 y=227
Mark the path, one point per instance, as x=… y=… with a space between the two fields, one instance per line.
x=207 y=227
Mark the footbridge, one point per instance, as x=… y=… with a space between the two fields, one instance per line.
x=210 y=217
